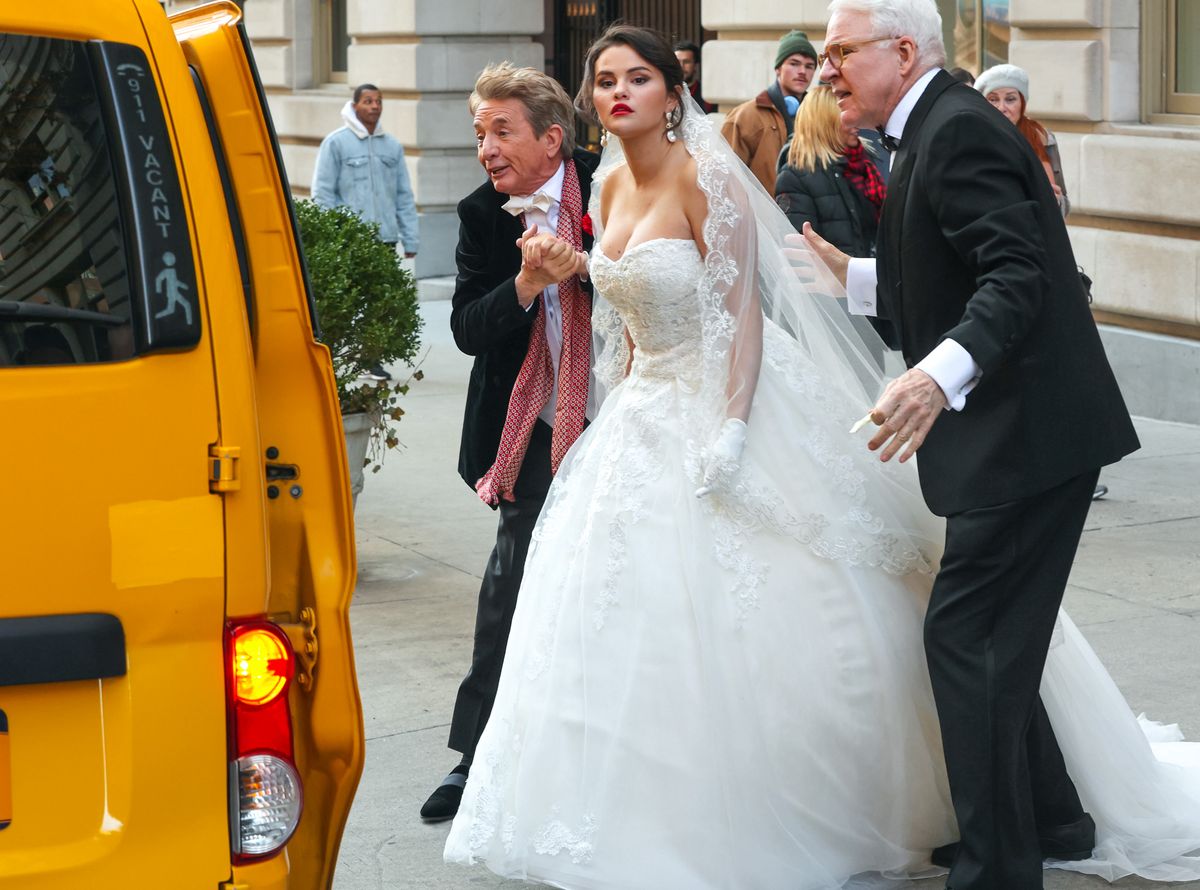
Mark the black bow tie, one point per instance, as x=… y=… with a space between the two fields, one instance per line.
x=891 y=143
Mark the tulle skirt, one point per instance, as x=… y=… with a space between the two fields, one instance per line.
x=723 y=692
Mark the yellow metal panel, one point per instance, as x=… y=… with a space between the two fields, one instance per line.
x=159 y=542
x=120 y=781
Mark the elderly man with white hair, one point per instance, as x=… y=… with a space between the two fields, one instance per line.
x=1012 y=403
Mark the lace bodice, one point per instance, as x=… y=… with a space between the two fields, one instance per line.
x=653 y=287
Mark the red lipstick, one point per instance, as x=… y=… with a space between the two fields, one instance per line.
x=621 y=108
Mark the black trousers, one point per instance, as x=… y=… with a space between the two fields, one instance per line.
x=498 y=594
x=987 y=632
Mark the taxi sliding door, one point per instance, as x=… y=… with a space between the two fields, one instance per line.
x=289 y=430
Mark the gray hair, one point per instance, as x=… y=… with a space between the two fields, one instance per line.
x=918 y=19
x=546 y=102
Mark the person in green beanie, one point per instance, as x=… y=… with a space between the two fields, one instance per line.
x=758 y=129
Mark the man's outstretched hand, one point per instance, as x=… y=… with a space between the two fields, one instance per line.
x=837 y=261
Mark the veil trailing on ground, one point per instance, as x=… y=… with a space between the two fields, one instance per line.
x=774 y=311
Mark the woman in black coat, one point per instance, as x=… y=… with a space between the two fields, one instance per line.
x=830 y=178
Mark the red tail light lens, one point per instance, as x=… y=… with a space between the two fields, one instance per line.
x=265 y=786
x=262 y=665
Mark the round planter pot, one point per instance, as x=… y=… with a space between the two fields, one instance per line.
x=357 y=428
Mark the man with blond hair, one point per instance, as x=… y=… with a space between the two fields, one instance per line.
x=527 y=322
x=1012 y=403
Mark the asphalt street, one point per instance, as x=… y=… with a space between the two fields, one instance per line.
x=423 y=539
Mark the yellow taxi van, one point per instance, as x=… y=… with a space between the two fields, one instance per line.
x=178 y=703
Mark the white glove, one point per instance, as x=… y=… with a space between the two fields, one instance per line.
x=724 y=457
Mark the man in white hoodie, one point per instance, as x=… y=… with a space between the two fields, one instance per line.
x=361 y=167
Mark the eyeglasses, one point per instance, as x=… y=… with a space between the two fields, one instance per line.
x=835 y=53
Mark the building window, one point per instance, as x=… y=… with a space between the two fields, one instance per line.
x=333 y=47
x=976 y=33
x=341 y=36
x=1183 y=57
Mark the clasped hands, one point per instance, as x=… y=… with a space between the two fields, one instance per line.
x=545 y=260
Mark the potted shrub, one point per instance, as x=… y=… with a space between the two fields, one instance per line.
x=367 y=316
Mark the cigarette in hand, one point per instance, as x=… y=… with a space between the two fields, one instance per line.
x=860 y=424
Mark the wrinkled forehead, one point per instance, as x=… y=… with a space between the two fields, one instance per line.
x=370 y=96
x=848 y=26
x=493 y=113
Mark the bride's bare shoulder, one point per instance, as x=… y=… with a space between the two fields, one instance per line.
x=615 y=183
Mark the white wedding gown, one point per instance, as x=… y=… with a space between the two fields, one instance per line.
x=730 y=692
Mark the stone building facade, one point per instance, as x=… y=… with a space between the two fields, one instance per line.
x=1118 y=81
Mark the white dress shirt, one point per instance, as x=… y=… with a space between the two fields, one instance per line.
x=547 y=221
x=949 y=364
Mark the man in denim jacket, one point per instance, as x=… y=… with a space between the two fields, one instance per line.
x=362 y=167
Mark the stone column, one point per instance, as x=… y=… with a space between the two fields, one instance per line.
x=1133 y=227
x=425 y=56
x=740 y=63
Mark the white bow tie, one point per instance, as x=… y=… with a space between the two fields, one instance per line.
x=519 y=204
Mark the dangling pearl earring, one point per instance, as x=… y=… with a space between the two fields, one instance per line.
x=671 y=136
x=603 y=138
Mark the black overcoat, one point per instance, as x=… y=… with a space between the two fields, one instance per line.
x=487 y=320
x=972 y=247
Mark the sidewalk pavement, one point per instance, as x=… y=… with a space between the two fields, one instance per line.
x=423 y=539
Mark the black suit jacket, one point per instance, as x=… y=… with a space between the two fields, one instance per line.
x=972 y=247
x=487 y=320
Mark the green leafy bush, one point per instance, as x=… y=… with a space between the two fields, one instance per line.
x=366 y=310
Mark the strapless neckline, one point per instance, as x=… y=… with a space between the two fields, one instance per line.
x=599 y=252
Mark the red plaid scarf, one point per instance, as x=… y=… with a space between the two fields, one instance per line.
x=862 y=174
x=535 y=381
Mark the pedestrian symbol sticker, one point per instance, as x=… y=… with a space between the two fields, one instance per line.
x=167 y=284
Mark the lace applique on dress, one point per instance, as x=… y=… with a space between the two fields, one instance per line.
x=489 y=783
x=555 y=837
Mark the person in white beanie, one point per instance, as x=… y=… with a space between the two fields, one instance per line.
x=1007 y=88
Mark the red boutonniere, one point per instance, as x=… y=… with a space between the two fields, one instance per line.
x=586 y=225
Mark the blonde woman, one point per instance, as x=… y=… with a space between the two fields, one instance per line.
x=830 y=178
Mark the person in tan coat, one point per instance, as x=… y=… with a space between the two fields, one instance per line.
x=758 y=129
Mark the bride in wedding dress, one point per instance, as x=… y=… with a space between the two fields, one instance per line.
x=715 y=675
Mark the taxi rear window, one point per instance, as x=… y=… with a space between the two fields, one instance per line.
x=96 y=259
x=64 y=282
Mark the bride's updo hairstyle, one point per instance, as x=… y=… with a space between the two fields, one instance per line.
x=648 y=44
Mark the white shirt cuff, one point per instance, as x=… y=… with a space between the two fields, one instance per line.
x=953 y=369
x=861 y=283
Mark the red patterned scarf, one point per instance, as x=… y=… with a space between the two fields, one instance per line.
x=863 y=175
x=535 y=381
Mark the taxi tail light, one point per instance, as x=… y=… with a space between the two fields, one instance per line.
x=265 y=794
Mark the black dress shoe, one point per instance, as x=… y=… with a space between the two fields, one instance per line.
x=943 y=856
x=1071 y=842
x=443 y=803
x=1066 y=843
